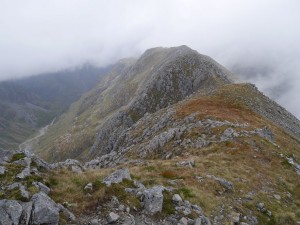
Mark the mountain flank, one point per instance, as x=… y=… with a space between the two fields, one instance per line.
x=28 y=104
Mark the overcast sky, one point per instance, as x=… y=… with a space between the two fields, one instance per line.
x=259 y=38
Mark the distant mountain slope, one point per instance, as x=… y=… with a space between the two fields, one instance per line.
x=160 y=77
x=30 y=103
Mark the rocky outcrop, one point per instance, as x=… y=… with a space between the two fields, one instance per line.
x=30 y=208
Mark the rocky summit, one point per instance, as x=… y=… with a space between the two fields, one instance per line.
x=169 y=138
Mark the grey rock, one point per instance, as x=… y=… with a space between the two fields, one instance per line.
x=6 y=155
x=176 y=198
x=68 y=214
x=10 y=212
x=197 y=209
x=24 y=192
x=235 y=217
x=183 y=221
x=26 y=161
x=228 y=134
x=94 y=222
x=198 y=221
x=42 y=187
x=205 y=220
x=277 y=197
x=88 y=187
x=72 y=164
x=130 y=220
x=26 y=213
x=13 y=186
x=112 y=217
x=153 y=199
x=226 y=184
x=41 y=164
x=25 y=173
x=261 y=207
x=44 y=210
x=295 y=164
x=2 y=170
x=266 y=133
x=76 y=169
x=117 y=177
x=138 y=184
x=188 y=163
x=114 y=202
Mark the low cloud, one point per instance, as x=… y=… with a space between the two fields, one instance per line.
x=257 y=39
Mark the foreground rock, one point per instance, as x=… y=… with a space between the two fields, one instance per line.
x=45 y=210
x=152 y=199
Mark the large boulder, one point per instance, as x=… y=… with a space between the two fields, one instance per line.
x=152 y=199
x=10 y=212
x=44 y=210
x=117 y=177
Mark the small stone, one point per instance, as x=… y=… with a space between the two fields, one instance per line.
x=88 y=187
x=235 y=217
x=183 y=221
x=24 y=192
x=121 y=208
x=114 y=202
x=13 y=186
x=261 y=207
x=269 y=213
x=112 y=217
x=176 y=198
x=67 y=213
x=277 y=197
x=76 y=169
x=94 y=222
x=42 y=187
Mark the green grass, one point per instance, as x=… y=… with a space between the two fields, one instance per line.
x=17 y=156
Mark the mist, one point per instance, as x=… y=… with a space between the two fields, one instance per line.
x=258 y=40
